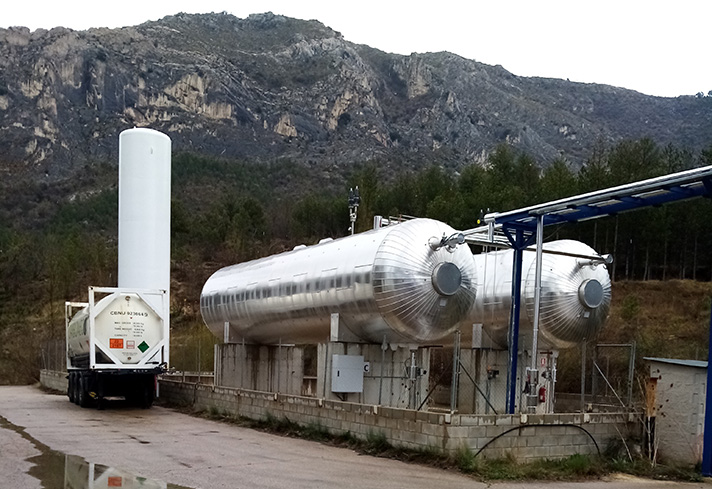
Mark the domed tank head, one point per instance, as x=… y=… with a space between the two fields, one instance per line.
x=423 y=291
x=575 y=295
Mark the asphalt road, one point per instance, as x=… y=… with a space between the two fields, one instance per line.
x=195 y=453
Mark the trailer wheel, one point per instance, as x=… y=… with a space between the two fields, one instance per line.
x=147 y=395
x=83 y=394
x=70 y=387
x=75 y=388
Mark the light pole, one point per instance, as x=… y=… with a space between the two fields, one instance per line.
x=354 y=201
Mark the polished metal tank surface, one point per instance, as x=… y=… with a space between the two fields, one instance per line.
x=388 y=283
x=575 y=295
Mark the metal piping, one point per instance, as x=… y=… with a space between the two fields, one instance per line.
x=537 y=306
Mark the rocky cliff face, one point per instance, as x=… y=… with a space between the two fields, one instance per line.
x=270 y=87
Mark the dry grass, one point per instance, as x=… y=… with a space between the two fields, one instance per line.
x=666 y=319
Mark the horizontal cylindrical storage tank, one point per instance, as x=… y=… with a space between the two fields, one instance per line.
x=390 y=282
x=144 y=209
x=575 y=295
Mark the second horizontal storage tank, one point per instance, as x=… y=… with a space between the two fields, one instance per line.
x=575 y=295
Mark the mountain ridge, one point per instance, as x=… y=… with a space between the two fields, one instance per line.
x=270 y=87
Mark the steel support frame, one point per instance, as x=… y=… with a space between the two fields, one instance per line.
x=519 y=238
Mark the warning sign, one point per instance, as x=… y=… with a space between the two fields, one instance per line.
x=116 y=343
x=115 y=481
x=130 y=344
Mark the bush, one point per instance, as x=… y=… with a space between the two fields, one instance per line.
x=376 y=442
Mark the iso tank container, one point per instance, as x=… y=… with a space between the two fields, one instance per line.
x=391 y=283
x=575 y=295
x=124 y=329
x=117 y=345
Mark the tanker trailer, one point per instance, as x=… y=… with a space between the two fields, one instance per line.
x=117 y=345
x=575 y=295
x=409 y=283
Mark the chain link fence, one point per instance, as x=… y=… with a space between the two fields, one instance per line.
x=598 y=377
x=191 y=350
x=53 y=356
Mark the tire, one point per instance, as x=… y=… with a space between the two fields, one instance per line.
x=83 y=398
x=147 y=395
x=70 y=387
x=77 y=386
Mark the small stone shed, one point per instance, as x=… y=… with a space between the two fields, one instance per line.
x=679 y=408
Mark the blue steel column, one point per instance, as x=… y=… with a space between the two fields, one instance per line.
x=519 y=241
x=707 y=436
x=513 y=333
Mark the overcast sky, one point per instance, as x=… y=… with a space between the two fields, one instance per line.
x=655 y=47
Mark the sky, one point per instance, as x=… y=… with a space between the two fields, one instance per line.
x=655 y=47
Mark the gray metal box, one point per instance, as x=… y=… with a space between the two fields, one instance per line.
x=347 y=373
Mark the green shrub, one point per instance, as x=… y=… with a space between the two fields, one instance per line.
x=377 y=442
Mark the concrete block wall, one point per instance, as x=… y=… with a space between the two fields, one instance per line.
x=54 y=379
x=526 y=437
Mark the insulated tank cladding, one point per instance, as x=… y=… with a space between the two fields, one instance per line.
x=386 y=282
x=144 y=209
x=575 y=295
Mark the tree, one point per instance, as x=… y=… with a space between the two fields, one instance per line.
x=318 y=216
x=526 y=178
x=557 y=181
x=630 y=161
x=706 y=156
x=472 y=187
x=368 y=181
x=237 y=226
x=675 y=160
x=502 y=195
x=595 y=173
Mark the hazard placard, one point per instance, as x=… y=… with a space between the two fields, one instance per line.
x=115 y=481
x=117 y=343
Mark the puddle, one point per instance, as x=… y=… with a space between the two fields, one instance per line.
x=56 y=469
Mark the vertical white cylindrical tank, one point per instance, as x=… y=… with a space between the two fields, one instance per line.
x=144 y=209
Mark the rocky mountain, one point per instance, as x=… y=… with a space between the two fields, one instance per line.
x=270 y=87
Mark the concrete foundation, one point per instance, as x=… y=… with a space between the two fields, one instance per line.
x=398 y=376
x=388 y=378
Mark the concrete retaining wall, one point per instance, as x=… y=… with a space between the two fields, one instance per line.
x=526 y=437
x=54 y=380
